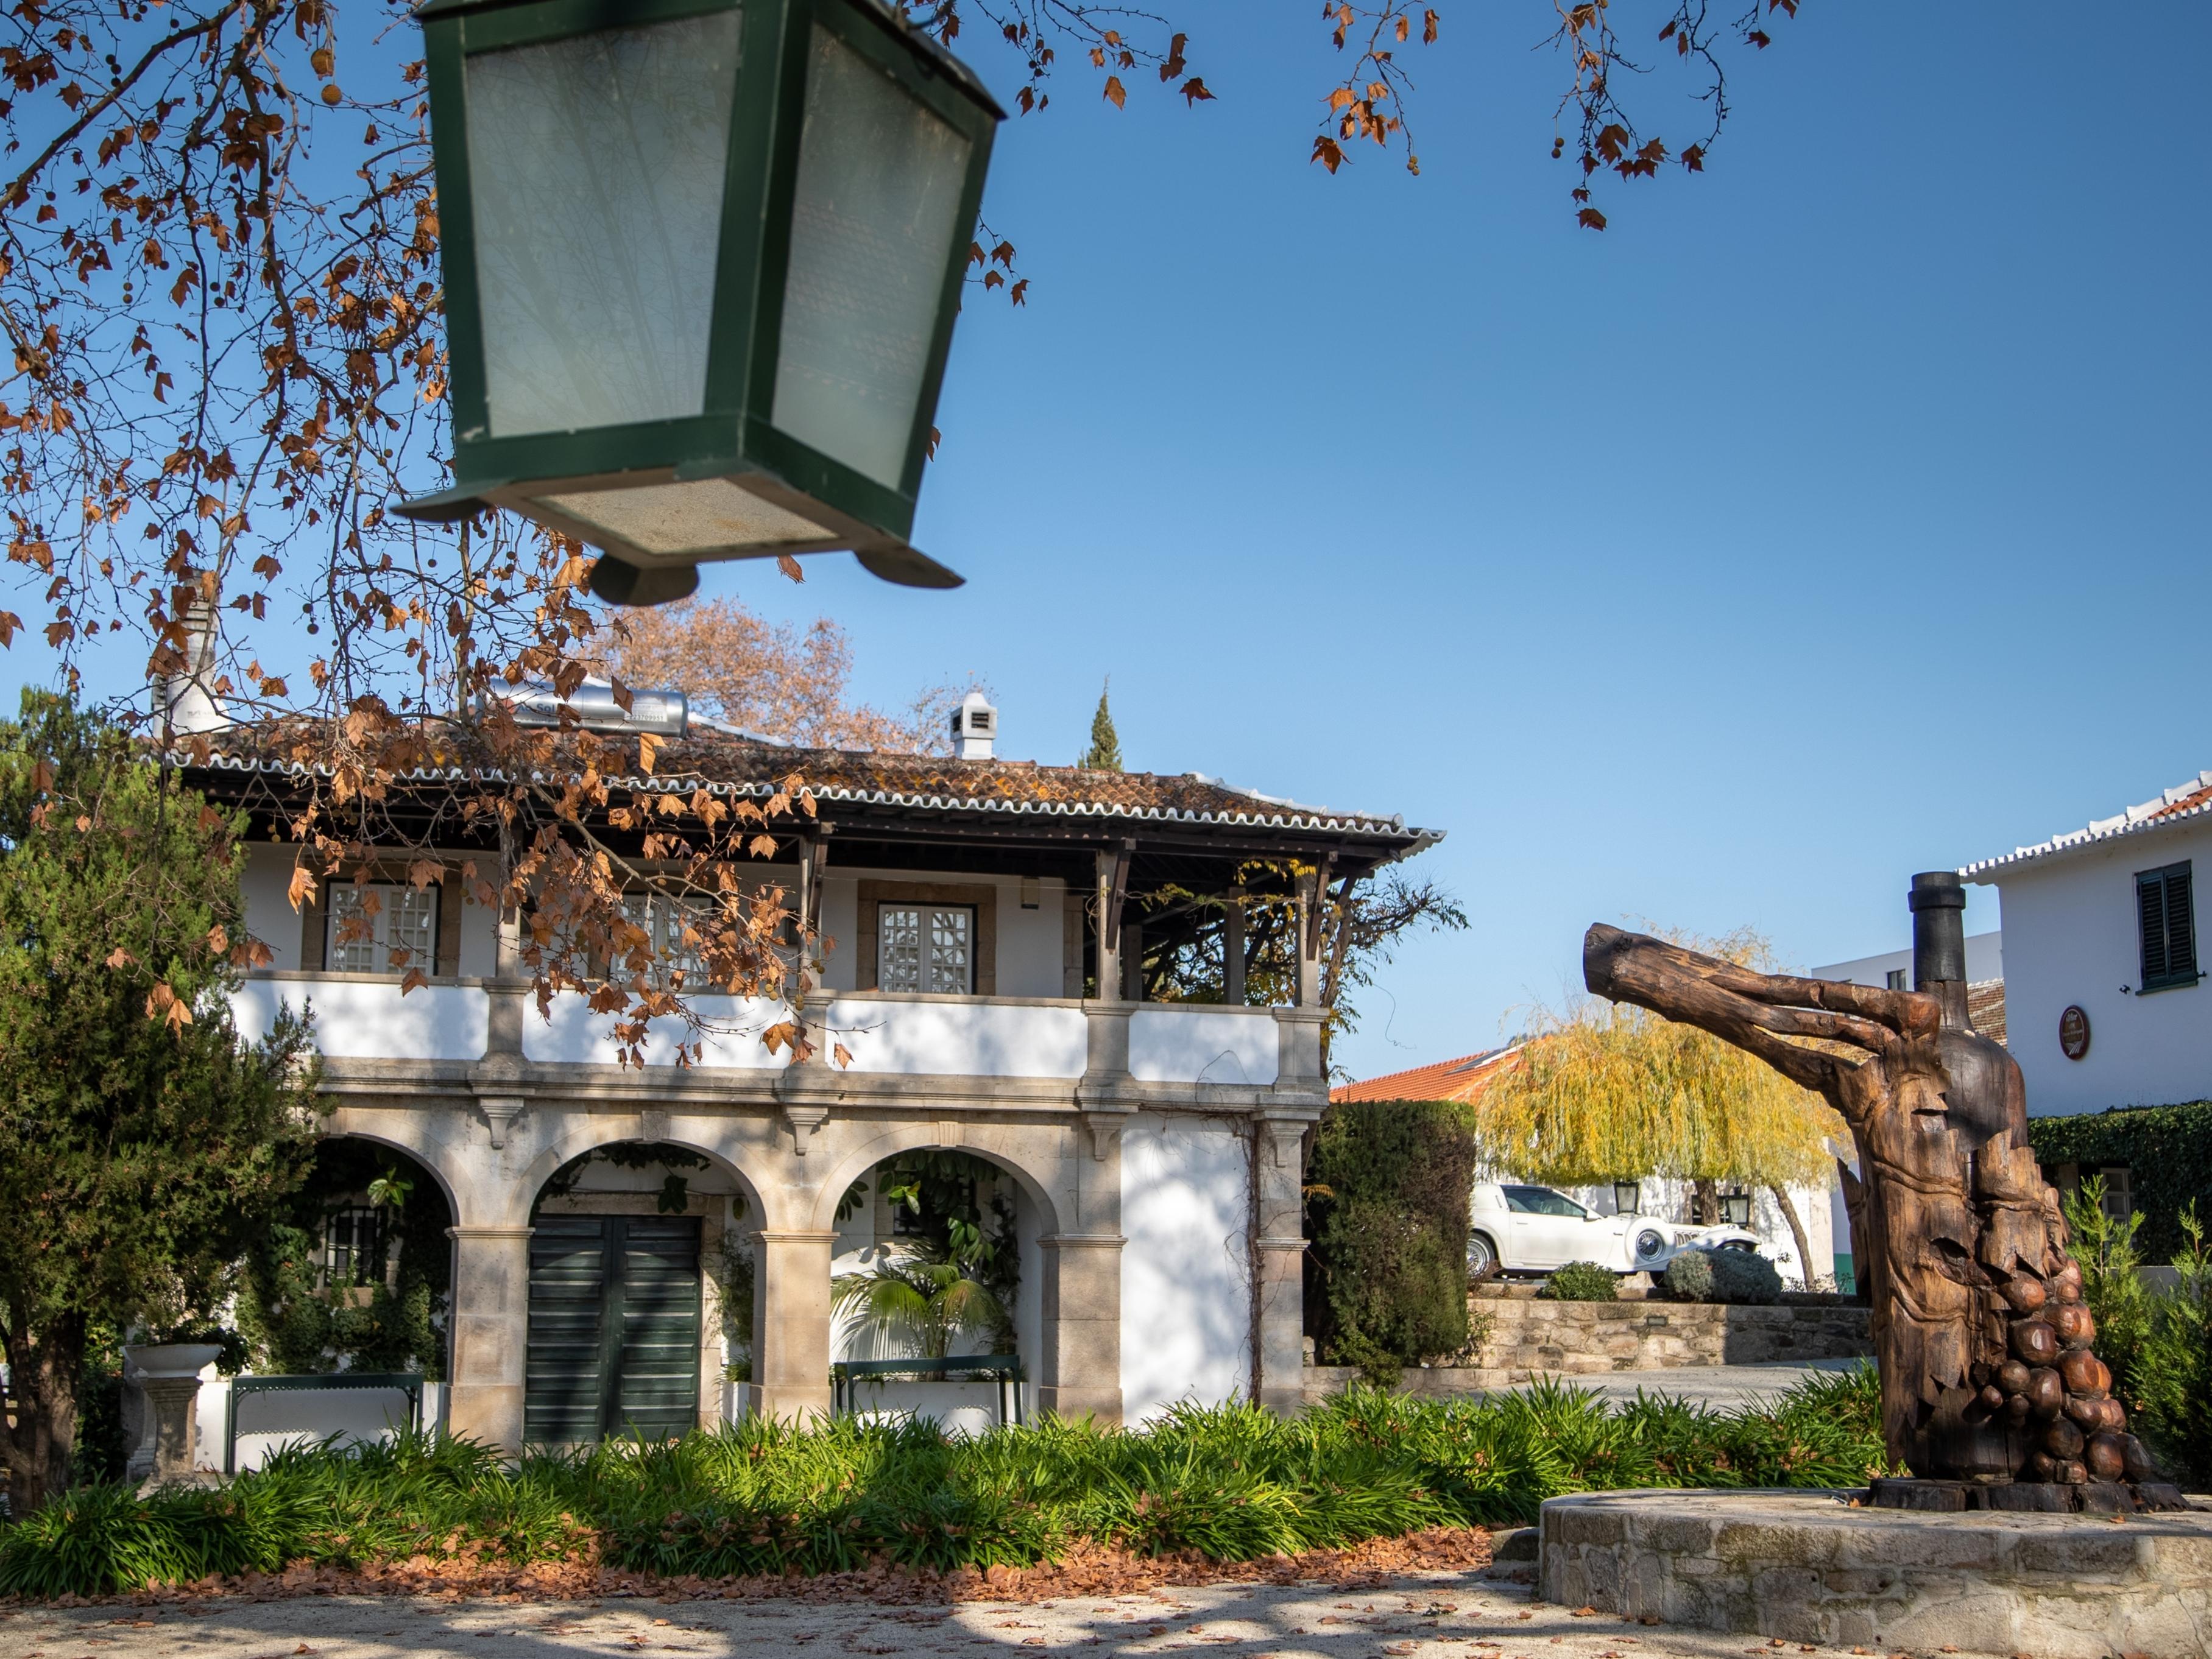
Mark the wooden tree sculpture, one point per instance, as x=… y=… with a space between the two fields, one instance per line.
x=1988 y=1375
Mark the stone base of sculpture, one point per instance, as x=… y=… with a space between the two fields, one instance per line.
x=2029 y=1497
x=1820 y=1568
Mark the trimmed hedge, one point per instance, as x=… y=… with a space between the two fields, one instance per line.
x=2167 y=1151
x=1723 y=1275
x=1385 y=1208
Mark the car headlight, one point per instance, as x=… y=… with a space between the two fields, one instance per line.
x=1650 y=1242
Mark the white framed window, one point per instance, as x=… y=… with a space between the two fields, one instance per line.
x=925 y=947
x=405 y=920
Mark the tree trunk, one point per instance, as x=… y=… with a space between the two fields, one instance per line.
x=1705 y=1203
x=1854 y=1204
x=1797 y=1231
x=39 y=1447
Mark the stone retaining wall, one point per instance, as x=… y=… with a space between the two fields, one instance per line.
x=1528 y=1338
x=1526 y=1335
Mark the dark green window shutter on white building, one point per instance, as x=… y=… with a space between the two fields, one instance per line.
x=2165 y=914
x=614 y=1328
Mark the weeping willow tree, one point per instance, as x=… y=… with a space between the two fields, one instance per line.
x=1608 y=1091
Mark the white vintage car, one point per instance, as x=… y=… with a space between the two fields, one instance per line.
x=1525 y=1229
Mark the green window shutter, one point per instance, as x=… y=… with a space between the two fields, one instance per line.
x=563 y=1382
x=2165 y=919
x=614 y=1329
x=2180 y=924
x=656 y=1391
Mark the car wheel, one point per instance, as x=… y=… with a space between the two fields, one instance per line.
x=1481 y=1254
x=1650 y=1245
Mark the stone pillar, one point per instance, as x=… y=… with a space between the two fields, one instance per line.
x=491 y=1334
x=791 y=1326
x=1081 y=1371
x=1280 y=1264
x=174 y=1400
x=1311 y=890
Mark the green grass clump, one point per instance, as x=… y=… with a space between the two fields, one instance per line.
x=1230 y=1483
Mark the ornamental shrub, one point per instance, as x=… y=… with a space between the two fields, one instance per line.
x=2158 y=1346
x=1385 y=1208
x=1723 y=1275
x=1689 y=1276
x=1582 y=1281
x=1231 y=1482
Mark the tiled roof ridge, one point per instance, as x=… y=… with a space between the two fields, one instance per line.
x=1387 y=1086
x=2191 y=798
x=936 y=784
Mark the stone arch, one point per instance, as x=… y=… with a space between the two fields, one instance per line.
x=407 y=1132
x=1037 y=1184
x=761 y=1194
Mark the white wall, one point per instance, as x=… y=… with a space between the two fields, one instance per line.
x=270 y=918
x=2071 y=938
x=1985 y=961
x=1186 y=1269
x=1029 y=940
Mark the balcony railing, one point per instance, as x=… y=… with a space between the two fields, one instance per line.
x=364 y=1017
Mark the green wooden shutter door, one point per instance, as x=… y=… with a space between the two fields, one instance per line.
x=656 y=1393
x=614 y=1328
x=564 y=1382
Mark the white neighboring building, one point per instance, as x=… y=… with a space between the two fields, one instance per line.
x=1892 y=970
x=2104 y=920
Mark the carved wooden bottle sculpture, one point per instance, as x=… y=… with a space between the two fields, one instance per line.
x=1989 y=1373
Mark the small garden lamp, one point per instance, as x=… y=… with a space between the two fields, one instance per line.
x=701 y=263
x=1735 y=1208
x=1628 y=1199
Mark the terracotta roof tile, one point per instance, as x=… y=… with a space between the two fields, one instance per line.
x=1462 y=1078
x=2191 y=798
x=1985 y=1008
x=743 y=766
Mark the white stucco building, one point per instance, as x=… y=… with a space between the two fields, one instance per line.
x=988 y=934
x=2105 y=1000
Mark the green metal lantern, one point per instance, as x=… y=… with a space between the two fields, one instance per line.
x=701 y=263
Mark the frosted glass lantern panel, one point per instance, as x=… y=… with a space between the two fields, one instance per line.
x=876 y=211
x=710 y=515
x=596 y=165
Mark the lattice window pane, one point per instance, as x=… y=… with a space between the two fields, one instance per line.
x=411 y=918
x=352 y=950
x=951 y=954
x=898 y=947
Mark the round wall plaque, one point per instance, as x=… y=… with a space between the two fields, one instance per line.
x=2074 y=1034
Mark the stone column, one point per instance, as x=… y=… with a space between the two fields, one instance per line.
x=491 y=1334
x=1280 y=1264
x=791 y=1327
x=1081 y=1373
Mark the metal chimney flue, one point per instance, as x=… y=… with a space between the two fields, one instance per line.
x=1938 y=900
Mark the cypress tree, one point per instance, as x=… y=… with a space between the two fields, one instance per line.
x=1104 y=754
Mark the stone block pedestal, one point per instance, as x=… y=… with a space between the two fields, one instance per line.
x=1808 y=1567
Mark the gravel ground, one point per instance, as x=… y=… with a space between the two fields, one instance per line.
x=1438 y=1615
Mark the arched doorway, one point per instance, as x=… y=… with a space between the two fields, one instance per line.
x=641 y=1291
x=358 y=1277
x=936 y=1256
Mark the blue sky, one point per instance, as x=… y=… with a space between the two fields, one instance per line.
x=1831 y=516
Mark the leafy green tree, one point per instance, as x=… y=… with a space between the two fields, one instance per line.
x=1104 y=754
x=142 y=1143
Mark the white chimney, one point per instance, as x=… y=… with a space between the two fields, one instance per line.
x=188 y=699
x=975 y=728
